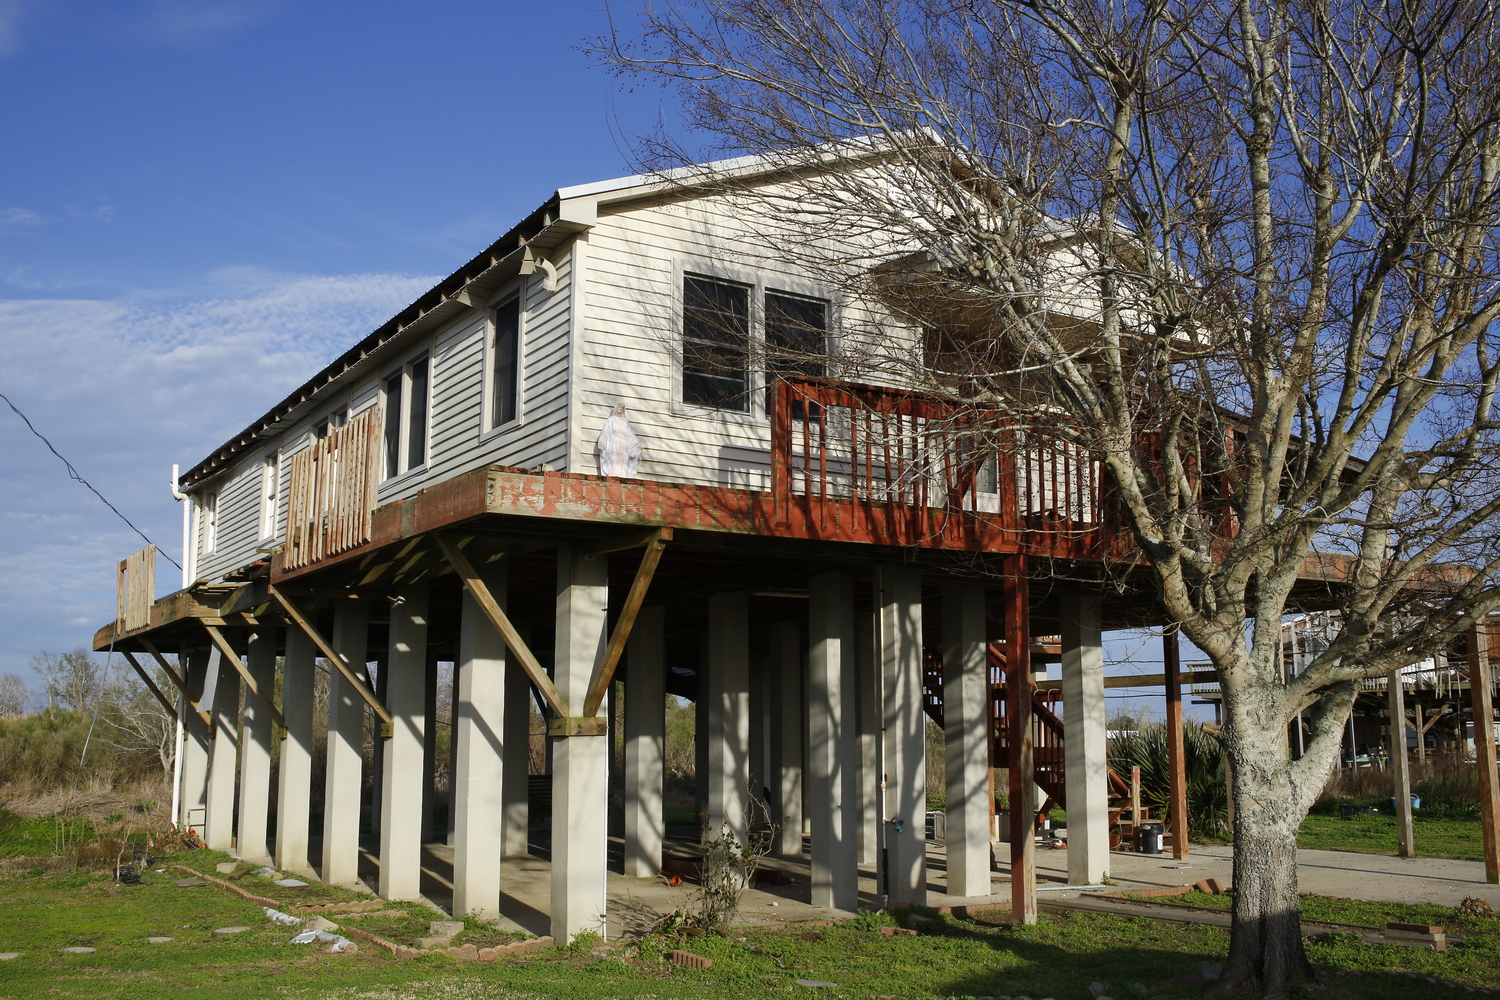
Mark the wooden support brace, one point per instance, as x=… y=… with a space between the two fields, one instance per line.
x=589 y=725
x=1484 y=749
x=605 y=671
x=1019 y=697
x=161 y=661
x=331 y=655
x=496 y=615
x=1176 y=751
x=265 y=698
x=150 y=684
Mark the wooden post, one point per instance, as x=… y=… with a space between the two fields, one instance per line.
x=1421 y=733
x=1484 y=749
x=1176 y=752
x=1019 y=689
x=1401 y=770
x=1135 y=797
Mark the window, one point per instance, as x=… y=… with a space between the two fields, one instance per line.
x=270 y=484
x=406 y=395
x=715 y=343
x=333 y=421
x=796 y=340
x=416 y=416
x=506 y=349
x=210 y=522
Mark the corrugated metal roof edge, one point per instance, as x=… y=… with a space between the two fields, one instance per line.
x=515 y=238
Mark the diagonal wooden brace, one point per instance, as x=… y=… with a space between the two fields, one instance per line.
x=265 y=698
x=161 y=661
x=150 y=684
x=496 y=615
x=605 y=671
x=331 y=655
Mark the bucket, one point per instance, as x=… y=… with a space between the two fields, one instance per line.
x=1149 y=838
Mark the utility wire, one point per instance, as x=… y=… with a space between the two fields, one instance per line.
x=73 y=473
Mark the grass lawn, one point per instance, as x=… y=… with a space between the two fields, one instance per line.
x=45 y=907
x=1435 y=837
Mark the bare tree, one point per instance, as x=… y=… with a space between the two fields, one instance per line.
x=1242 y=253
x=136 y=725
x=75 y=681
x=15 y=697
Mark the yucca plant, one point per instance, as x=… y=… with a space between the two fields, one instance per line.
x=1203 y=760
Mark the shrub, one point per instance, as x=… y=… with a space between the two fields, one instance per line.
x=1203 y=760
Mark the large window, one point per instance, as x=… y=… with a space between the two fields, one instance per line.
x=720 y=336
x=506 y=365
x=715 y=343
x=796 y=340
x=406 y=418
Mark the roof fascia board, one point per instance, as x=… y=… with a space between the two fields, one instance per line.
x=442 y=303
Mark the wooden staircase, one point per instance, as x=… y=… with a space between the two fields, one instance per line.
x=1048 y=756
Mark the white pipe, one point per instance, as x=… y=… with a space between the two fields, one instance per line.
x=187 y=531
x=177 y=759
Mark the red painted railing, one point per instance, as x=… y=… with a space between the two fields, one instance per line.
x=915 y=469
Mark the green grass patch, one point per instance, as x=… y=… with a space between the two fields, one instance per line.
x=1436 y=837
x=40 y=836
x=43 y=910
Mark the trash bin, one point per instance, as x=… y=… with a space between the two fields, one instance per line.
x=1416 y=803
x=1149 y=838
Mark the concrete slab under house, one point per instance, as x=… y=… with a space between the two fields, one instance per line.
x=532 y=473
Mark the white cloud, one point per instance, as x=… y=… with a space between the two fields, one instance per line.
x=11 y=12
x=104 y=213
x=188 y=22
x=126 y=387
x=21 y=218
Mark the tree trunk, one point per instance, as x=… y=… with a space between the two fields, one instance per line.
x=1266 y=956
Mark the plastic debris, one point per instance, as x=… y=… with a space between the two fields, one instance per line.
x=127 y=875
x=158 y=940
x=282 y=918
x=289 y=882
x=224 y=931
x=78 y=950
x=189 y=883
x=267 y=873
x=814 y=983
x=337 y=942
x=6 y=956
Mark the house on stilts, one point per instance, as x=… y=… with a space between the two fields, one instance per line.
x=811 y=559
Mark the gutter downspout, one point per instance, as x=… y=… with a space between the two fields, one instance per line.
x=187 y=581
x=187 y=532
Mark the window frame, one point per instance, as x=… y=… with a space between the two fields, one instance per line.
x=270 y=494
x=488 y=426
x=759 y=284
x=402 y=424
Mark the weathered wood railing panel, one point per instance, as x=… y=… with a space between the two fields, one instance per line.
x=135 y=589
x=331 y=492
x=921 y=470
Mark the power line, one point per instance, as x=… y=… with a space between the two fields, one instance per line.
x=73 y=474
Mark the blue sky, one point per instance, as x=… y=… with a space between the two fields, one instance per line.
x=202 y=202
